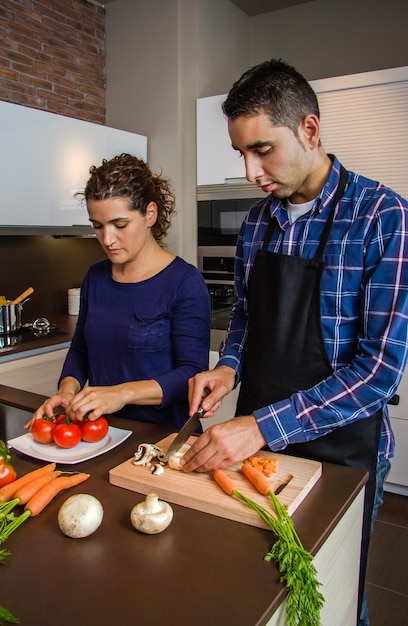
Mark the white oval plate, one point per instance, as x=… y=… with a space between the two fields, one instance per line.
x=82 y=452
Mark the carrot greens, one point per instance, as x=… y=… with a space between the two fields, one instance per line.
x=6 y=617
x=295 y=565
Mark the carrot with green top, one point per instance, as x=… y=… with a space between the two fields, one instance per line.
x=225 y=482
x=7 y=492
x=298 y=572
x=43 y=497
x=26 y=492
x=257 y=478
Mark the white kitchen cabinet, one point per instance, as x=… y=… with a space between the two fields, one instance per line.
x=37 y=374
x=216 y=160
x=397 y=480
x=45 y=159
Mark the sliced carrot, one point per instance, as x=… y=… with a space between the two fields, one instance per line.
x=259 y=481
x=26 y=492
x=43 y=497
x=263 y=464
x=7 y=492
x=225 y=482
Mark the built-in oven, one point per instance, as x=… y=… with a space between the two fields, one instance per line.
x=220 y=212
x=216 y=264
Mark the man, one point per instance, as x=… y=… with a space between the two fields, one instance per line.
x=318 y=331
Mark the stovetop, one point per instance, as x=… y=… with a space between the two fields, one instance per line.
x=40 y=330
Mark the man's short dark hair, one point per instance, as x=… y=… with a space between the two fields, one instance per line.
x=275 y=88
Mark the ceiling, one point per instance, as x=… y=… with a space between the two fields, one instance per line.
x=256 y=7
x=250 y=7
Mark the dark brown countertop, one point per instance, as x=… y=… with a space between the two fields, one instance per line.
x=203 y=569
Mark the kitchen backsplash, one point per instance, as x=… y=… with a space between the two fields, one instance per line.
x=48 y=264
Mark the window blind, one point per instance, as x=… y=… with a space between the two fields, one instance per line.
x=366 y=126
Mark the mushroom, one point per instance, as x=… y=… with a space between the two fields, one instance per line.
x=174 y=459
x=151 y=516
x=146 y=452
x=157 y=468
x=80 y=515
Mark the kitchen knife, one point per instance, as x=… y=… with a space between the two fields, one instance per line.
x=188 y=429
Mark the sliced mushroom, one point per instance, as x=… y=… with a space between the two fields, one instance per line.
x=146 y=453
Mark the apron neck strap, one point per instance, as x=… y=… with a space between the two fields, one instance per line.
x=328 y=226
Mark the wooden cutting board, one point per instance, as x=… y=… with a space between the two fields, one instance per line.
x=199 y=491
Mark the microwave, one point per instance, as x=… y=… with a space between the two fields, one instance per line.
x=221 y=211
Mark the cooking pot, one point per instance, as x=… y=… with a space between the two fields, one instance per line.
x=10 y=318
x=10 y=313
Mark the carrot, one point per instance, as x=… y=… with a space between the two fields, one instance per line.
x=225 y=482
x=259 y=481
x=7 y=492
x=43 y=497
x=39 y=501
x=26 y=492
x=263 y=464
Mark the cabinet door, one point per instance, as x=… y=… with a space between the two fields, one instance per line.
x=399 y=464
x=216 y=160
x=37 y=374
x=45 y=159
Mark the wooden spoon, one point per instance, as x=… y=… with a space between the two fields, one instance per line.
x=22 y=296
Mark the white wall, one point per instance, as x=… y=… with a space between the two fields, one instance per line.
x=160 y=56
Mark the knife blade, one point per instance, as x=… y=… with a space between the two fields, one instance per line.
x=187 y=430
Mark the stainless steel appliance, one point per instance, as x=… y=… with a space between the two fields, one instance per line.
x=220 y=212
x=216 y=264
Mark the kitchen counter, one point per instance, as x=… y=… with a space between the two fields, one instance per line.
x=203 y=569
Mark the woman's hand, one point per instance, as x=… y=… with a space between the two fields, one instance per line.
x=50 y=407
x=95 y=402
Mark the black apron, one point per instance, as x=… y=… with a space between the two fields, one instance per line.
x=285 y=353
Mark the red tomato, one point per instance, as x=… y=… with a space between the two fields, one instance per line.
x=7 y=472
x=42 y=430
x=67 y=435
x=60 y=418
x=95 y=430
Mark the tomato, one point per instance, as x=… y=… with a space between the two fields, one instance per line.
x=60 y=418
x=7 y=471
x=95 y=430
x=42 y=430
x=67 y=434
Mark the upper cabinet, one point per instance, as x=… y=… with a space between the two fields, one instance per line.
x=217 y=162
x=45 y=159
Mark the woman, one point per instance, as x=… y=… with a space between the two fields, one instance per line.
x=144 y=322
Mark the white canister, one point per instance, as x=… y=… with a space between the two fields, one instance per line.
x=73 y=301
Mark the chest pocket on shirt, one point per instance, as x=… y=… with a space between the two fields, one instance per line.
x=147 y=334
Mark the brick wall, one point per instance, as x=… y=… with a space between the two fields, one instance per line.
x=52 y=56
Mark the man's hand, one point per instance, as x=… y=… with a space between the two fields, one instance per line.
x=207 y=389
x=223 y=445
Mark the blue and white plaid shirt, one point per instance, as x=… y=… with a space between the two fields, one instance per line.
x=364 y=306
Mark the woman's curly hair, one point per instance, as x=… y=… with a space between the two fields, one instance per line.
x=130 y=177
